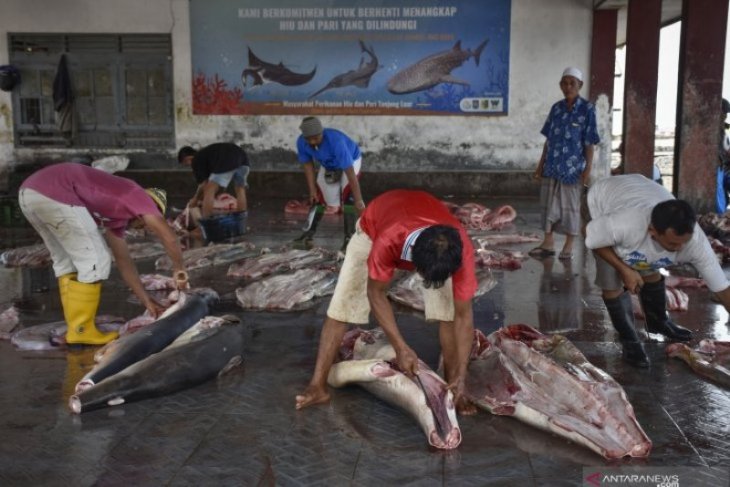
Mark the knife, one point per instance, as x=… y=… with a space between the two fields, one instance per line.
x=440 y=428
x=310 y=217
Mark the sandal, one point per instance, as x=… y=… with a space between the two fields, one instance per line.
x=541 y=253
x=565 y=256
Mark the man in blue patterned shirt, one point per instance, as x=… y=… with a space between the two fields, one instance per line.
x=565 y=164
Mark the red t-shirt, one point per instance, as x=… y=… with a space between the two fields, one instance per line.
x=390 y=221
x=111 y=200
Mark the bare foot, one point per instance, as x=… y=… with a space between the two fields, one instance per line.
x=465 y=407
x=312 y=395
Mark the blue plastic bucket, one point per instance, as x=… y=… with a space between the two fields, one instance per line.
x=223 y=227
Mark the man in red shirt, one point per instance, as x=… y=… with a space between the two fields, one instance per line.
x=408 y=230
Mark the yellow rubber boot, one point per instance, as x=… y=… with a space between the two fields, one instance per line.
x=63 y=286
x=82 y=301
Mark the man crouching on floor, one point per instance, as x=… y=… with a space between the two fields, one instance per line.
x=409 y=230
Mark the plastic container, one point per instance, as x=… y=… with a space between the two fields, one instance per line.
x=222 y=227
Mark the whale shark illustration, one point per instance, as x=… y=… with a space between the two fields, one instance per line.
x=262 y=72
x=433 y=69
x=359 y=77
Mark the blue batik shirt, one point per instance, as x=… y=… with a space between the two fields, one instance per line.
x=568 y=132
x=337 y=150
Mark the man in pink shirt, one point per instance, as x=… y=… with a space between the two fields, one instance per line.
x=408 y=230
x=72 y=206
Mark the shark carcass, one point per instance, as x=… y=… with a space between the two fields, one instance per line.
x=208 y=349
x=287 y=292
x=180 y=350
x=545 y=381
x=408 y=289
x=368 y=360
x=123 y=352
x=711 y=359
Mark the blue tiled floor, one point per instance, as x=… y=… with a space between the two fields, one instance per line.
x=244 y=430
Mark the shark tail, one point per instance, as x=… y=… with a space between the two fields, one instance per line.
x=478 y=53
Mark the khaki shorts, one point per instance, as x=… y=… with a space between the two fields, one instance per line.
x=607 y=277
x=71 y=235
x=350 y=303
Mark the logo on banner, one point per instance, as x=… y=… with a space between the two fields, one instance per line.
x=481 y=105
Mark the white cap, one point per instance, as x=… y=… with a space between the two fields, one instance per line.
x=574 y=72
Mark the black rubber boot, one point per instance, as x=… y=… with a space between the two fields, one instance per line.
x=350 y=218
x=306 y=240
x=653 y=296
x=622 y=317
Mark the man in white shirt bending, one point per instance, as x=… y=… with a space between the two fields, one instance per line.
x=637 y=227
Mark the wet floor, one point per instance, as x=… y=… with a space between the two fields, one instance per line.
x=243 y=429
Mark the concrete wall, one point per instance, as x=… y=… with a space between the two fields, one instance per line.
x=545 y=37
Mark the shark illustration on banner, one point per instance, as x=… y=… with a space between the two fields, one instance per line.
x=371 y=57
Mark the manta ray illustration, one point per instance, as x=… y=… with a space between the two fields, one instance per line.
x=262 y=72
x=359 y=77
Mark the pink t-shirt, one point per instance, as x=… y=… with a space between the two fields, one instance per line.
x=392 y=221
x=111 y=200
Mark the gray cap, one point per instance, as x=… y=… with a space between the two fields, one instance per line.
x=311 y=126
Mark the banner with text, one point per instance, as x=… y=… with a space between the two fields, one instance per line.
x=367 y=57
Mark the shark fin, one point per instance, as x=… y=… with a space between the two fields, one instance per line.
x=478 y=52
x=450 y=79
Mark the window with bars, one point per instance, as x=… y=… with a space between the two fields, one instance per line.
x=122 y=88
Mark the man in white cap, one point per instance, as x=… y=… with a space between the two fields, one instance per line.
x=565 y=164
x=337 y=183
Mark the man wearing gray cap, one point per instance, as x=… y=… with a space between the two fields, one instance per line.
x=336 y=181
